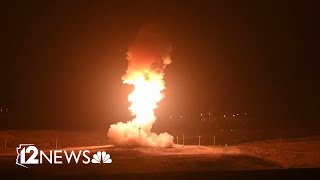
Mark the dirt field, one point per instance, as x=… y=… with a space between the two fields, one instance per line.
x=262 y=155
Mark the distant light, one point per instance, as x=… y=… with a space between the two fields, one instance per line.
x=233 y=115
x=237 y=114
x=170 y=117
x=231 y=130
x=224 y=115
x=245 y=113
x=181 y=116
x=1 y=109
x=200 y=114
x=209 y=113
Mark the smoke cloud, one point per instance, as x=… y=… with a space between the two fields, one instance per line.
x=148 y=57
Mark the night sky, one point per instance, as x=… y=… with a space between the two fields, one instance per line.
x=61 y=62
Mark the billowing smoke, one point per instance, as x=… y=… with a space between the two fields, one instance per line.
x=148 y=57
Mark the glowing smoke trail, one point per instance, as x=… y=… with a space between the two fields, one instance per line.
x=147 y=58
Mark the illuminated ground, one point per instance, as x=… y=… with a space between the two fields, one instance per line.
x=298 y=153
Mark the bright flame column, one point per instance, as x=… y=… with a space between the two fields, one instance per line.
x=147 y=59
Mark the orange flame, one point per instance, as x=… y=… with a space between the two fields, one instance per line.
x=146 y=94
x=147 y=58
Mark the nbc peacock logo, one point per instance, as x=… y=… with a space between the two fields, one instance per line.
x=101 y=157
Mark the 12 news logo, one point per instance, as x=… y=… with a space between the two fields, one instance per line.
x=28 y=154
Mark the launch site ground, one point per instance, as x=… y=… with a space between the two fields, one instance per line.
x=188 y=160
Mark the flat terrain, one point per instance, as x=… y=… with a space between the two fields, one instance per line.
x=254 y=156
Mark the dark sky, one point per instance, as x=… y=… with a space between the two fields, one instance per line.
x=62 y=62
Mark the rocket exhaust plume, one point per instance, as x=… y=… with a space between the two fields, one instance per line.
x=148 y=57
